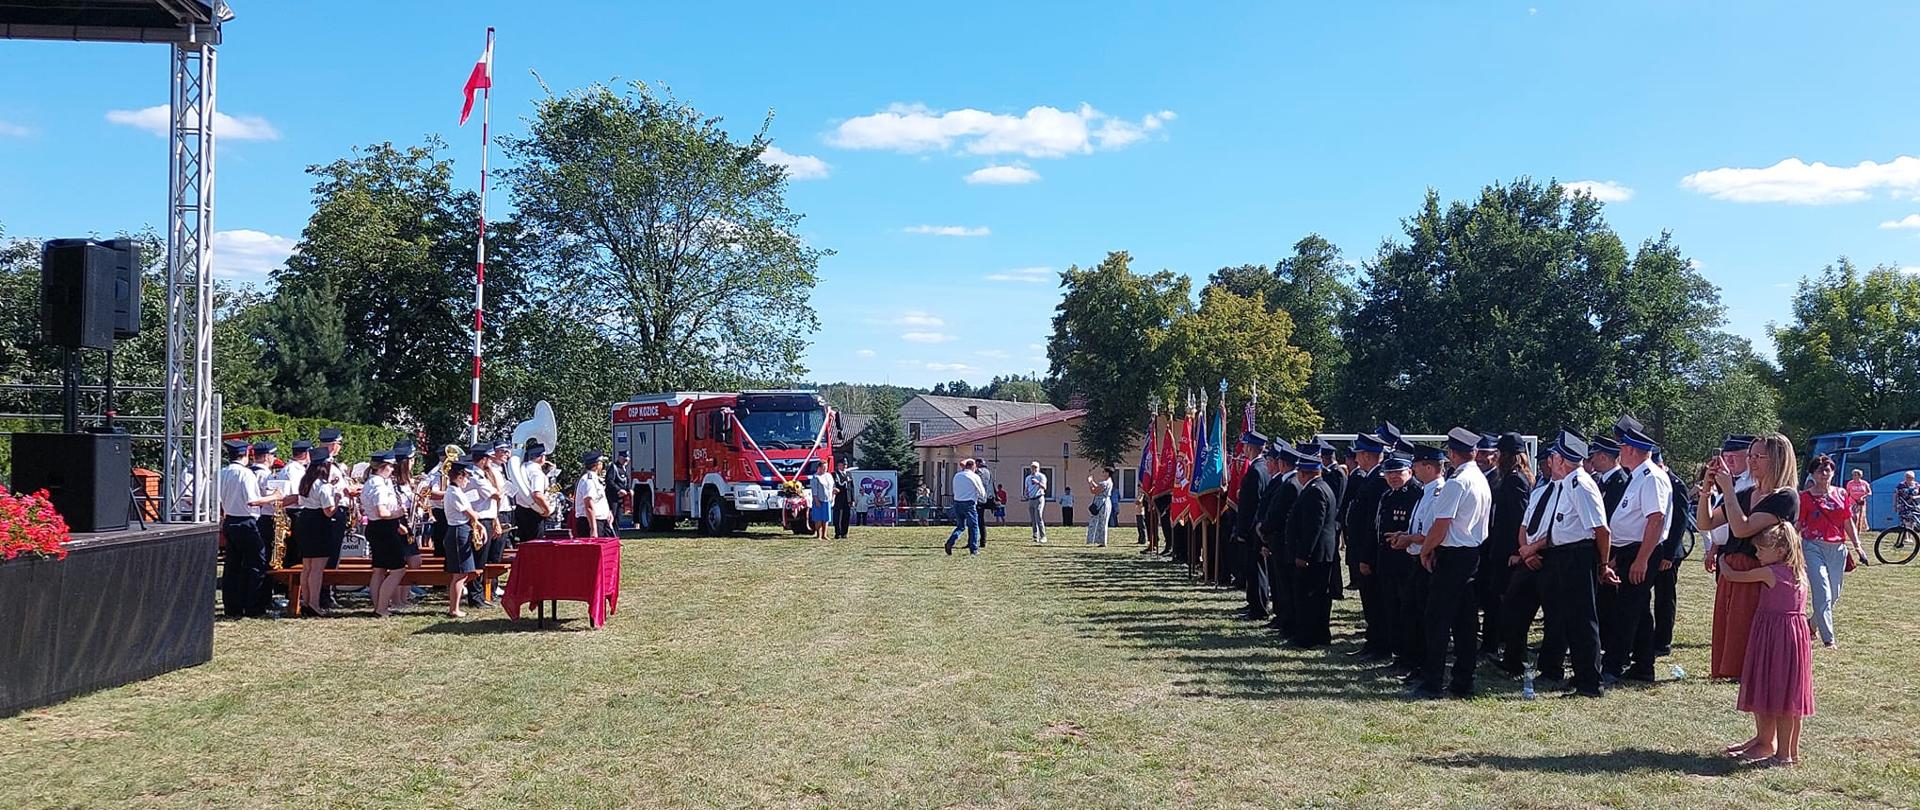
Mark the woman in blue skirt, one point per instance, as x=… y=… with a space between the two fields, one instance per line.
x=461 y=520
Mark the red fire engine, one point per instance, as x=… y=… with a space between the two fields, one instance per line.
x=720 y=458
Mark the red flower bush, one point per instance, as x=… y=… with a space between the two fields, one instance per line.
x=29 y=525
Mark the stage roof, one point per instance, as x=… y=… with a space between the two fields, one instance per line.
x=113 y=20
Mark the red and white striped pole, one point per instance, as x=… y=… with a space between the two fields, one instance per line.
x=480 y=249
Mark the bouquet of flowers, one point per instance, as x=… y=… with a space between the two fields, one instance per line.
x=29 y=525
x=794 y=497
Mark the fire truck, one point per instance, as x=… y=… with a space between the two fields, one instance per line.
x=719 y=458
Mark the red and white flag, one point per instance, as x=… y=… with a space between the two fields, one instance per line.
x=480 y=79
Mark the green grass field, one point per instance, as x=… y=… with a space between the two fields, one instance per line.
x=773 y=671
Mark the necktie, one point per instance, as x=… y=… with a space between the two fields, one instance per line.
x=1545 y=508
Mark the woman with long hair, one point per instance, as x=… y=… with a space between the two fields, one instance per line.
x=1098 y=493
x=1746 y=513
x=318 y=542
x=380 y=505
x=1827 y=529
x=1511 y=487
x=399 y=593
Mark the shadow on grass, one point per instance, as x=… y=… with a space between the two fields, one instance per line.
x=1186 y=624
x=1625 y=760
x=487 y=627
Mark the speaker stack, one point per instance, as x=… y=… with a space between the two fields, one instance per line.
x=89 y=298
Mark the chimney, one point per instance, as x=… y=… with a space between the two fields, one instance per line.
x=973 y=412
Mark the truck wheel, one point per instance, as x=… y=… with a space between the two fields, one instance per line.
x=643 y=514
x=713 y=513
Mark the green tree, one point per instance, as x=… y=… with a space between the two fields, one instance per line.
x=1109 y=345
x=1727 y=389
x=1525 y=291
x=1016 y=388
x=1312 y=287
x=885 y=446
x=668 y=236
x=315 y=370
x=1850 y=359
x=1234 y=338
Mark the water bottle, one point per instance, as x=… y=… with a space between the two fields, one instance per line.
x=1526 y=684
x=1678 y=673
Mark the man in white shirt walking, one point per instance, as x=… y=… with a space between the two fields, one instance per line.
x=968 y=494
x=1034 y=490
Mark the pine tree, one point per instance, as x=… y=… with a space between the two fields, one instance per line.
x=885 y=446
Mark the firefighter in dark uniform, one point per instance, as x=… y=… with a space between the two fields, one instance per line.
x=1336 y=480
x=1312 y=526
x=1246 y=530
x=1666 y=573
x=1607 y=472
x=1276 y=502
x=1510 y=485
x=1399 y=495
x=1358 y=514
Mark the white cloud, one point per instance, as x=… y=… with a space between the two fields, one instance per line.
x=249 y=256
x=1023 y=275
x=1042 y=131
x=948 y=367
x=229 y=127
x=948 y=230
x=12 y=130
x=1906 y=223
x=914 y=317
x=1792 y=181
x=1003 y=176
x=799 y=167
x=1606 y=191
x=864 y=353
x=1911 y=270
x=925 y=337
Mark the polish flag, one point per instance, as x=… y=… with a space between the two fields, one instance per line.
x=481 y=78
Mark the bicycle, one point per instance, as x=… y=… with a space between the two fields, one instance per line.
x=1899 y=545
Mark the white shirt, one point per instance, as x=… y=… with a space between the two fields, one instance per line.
x=821 y=486
x=590 y=498
x=239 y=487
x=458 y=501
x=1724 y=532
x=536 y=481
x=1649 y=493
x=272 y=482
x=480 y=492
x=337 y=477
x=431 y=482
x=509 y=480
x=1577 y=509
x=320 y=496
x=1469 y=501
x=967 y=487
x=1066 y=499
x=379 y=500
x=1036 y=486
x=1424 y=513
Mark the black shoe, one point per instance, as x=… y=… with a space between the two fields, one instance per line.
x=1418 y=692
x=1460 y=694
x=1511 y=672
x=1663 y=652
x=1641 y=677
x=949 y=551
x=1359 y=653
x=1553 y=677
x=1371 y=656
x=1584 y=693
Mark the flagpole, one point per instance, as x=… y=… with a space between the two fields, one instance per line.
x=480 y=246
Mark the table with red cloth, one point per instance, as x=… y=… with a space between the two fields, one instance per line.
x=578 y=570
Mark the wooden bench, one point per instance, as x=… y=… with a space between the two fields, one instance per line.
x=357 y=571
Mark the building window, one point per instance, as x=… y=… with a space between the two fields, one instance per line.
x=1052 y=485
x=1129 y=480
x=913 y=431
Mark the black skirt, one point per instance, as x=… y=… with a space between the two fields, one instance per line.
x=385 y=545
x=459 y=548
x=317 y=537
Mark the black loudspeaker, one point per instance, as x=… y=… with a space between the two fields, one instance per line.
x=88 y=476
x=126 y=287
x=76 y=294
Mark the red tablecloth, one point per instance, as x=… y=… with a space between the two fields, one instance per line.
x=583 y=570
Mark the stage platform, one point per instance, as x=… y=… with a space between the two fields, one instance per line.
x=123 y=606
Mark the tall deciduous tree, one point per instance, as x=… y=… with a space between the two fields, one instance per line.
x=1312 y=287
x=1109 y=344
x=1522 y=310
x=1234 y=338
x=1727 y=389
x=1851 y=357
x=669 y=237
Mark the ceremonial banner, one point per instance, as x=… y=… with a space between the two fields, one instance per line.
x=1183 y=508
x=1210 y=465
x=1163 y=471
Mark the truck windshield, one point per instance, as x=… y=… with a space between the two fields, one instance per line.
x=784 y=430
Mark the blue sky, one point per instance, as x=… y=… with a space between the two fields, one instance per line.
x=1194 y=135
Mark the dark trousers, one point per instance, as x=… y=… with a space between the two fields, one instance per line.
x=985 y=512
x=1628 y=643
x=1066 y=516
x=1372 y=605
x=1253 y=574
x=842 y=515
x=966 y=520
x=1410 y=623
x=243 y=585
x=1490 y=588
x=1528 y=593
x=526 y=524
x=439 y=533
x=589 y=527
x=1281 y=583
x=1313 y=606
x=1336 y=585
x=1573 y=612
x=1383 y=619
x=1451 y=615
x=290 y=555
x=1666 y=603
